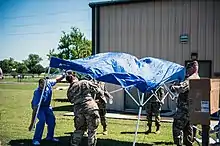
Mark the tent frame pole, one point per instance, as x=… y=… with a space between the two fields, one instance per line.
x=142 y=103
x=138 y=104
x=139 y=117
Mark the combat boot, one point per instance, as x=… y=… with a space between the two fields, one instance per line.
x=74 y=142
x=105 y=132
x=75 y=138
x=180 y=139
x=158 y=130
x=85 y=134
x=149 y=130
x=94 y=143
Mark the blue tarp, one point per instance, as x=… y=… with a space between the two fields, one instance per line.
x=125 y=70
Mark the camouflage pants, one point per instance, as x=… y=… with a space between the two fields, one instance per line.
x=81 y=121
x=102 y=113
x=182 y=130
x=153 y=108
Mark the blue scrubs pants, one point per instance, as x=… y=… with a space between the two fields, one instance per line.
x=45 y=115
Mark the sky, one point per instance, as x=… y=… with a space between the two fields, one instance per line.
x=35 y=26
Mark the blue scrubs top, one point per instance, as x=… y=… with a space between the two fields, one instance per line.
x=46 y=96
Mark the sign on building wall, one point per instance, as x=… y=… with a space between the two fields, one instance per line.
x=184 y=38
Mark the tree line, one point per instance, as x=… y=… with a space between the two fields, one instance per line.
x=72 y=45
x=31 y=65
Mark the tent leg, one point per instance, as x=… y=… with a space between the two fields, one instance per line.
x=139 y=117
x=137 y=125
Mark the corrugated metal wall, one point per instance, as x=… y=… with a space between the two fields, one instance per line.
x=153 y=29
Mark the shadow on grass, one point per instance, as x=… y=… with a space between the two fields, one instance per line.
x=64 y=108
x=133 y=132
x=64 y=141
x=163 y=143
x=154 y=143
x=61 y=100
x=138 y=133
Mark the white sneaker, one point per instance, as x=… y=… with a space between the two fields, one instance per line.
x=35 y=142
x=53 y=139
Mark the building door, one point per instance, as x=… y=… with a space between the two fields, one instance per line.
x=205 y=68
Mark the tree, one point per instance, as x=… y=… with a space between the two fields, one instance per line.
x=7 y=65
x=52 y=53
x=32 y=61
x=72 y=45
x=21 y=68
x=38 y=69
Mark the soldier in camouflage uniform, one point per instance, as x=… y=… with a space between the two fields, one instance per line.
x=182 y=129
x=101 y=101
x=85 y=109
x=153 y=106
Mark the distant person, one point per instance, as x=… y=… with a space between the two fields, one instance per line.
x=19 y=78
x=102 y=101
x=45 y=114
x=154 y=107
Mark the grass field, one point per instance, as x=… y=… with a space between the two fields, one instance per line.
x=15 y=114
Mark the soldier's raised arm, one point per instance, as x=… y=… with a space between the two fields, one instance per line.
x=107 y=94
x=184 y=86
x=181 y=87
x=93 y=88
x=161 y=92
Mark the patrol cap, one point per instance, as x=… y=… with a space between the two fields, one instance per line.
x=69 y=72
x=71 y=77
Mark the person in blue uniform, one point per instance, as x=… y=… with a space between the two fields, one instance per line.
x=45 y=114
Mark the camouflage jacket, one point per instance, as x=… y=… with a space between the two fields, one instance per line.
x=183 y=90
x=79 y=94
x=100 y=99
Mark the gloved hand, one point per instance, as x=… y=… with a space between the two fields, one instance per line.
x=172 y=89
x=110 y=101
x=100 y=91
x=63 y=73
x=31 y=127
x=47 y=77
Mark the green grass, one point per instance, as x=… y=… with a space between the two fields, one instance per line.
x=15 y=114
x=25 y=80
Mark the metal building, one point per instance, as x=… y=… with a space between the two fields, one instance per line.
x=175 y=30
